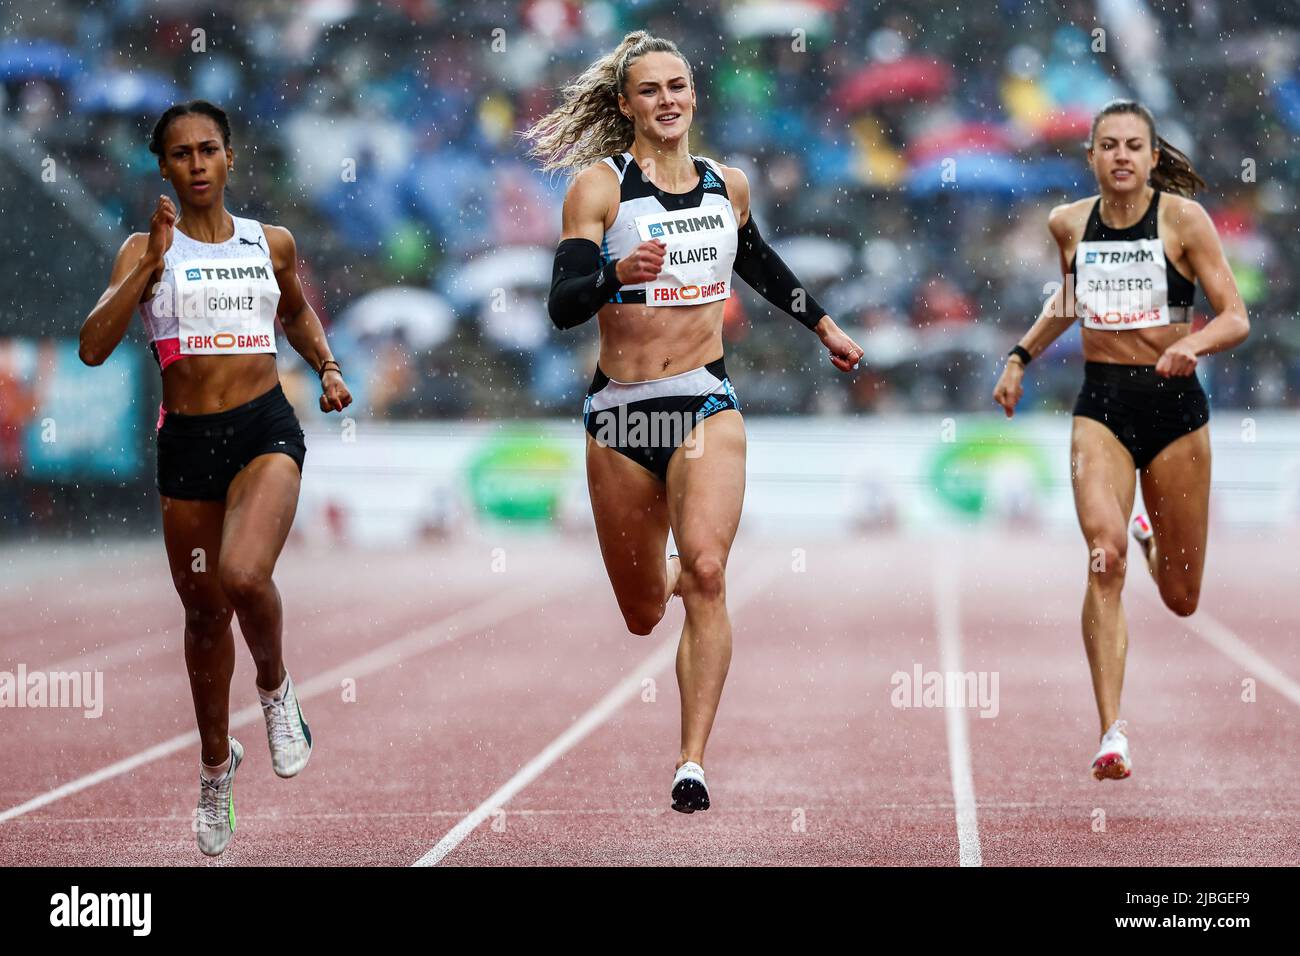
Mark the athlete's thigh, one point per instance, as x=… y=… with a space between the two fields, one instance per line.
x=706 y=486
x=260 y=505
x=1176 y=492
x=192 y=536
x=628 y=504
x=1104 y=481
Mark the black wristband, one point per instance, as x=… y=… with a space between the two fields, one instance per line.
x=1021 y=353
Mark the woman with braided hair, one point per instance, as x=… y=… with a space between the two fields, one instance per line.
x=1131 y=257
x=651 y=237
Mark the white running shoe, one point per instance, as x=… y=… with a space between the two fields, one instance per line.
x=214 y=822
x=1112 y=761
x=287 y=732
x=1140 y=528
x=690 y=792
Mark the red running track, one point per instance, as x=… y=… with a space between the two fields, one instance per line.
x=502 y=715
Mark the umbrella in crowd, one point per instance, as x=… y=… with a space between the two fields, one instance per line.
x=1286 y=94
x=940 y=341
x=962 y=137
x=511 y=267
x=422 y=318
x=122 y=91
x=36 y=60
x=1069 y=126
x=889 y=345
x=993 y=174
x=815 y=258
x=908 y=79
x=854 y=294
x=776 y=18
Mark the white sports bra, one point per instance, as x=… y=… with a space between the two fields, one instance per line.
x=214 y=298
x=699 y=228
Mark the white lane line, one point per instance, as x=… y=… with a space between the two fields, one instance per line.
x=135 y=649
x=443 y=631
x=1222 y=639
x=148 y=643
x=947 y=614
x=25 y=565
x=162 y=638
x=156 y=752
x=534 y=812
x=623 y=691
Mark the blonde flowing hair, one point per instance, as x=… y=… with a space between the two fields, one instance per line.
x=588 y=125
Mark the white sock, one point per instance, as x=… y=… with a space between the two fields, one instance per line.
x=214 y=773
x=277 y=695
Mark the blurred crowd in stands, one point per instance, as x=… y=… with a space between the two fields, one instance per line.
x=903 y=155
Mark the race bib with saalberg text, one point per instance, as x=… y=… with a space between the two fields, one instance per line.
x=1121 y=284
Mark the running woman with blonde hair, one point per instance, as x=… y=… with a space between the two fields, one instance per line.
x=209 y=286
x=651 y=236
x=1131 y=257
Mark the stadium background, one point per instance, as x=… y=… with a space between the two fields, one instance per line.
x=845 y=116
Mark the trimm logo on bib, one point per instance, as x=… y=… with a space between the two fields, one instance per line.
x=701 y=250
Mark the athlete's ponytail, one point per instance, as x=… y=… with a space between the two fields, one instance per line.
x=588 y=125
x=1173 y=172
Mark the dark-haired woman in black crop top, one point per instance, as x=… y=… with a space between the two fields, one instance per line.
x=1131 y=257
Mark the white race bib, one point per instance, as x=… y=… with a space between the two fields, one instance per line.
x=226 y=306
x=701 y=251
x=1121 y=285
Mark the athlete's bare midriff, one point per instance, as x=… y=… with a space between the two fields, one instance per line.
x=640 y=342
x=204 y=384
x=1132 y=346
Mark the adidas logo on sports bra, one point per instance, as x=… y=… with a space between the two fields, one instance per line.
x=711 y=181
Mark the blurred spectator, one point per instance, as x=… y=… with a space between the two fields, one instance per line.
x=385 y=137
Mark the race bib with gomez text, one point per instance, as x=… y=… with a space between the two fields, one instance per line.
x=226 y=306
